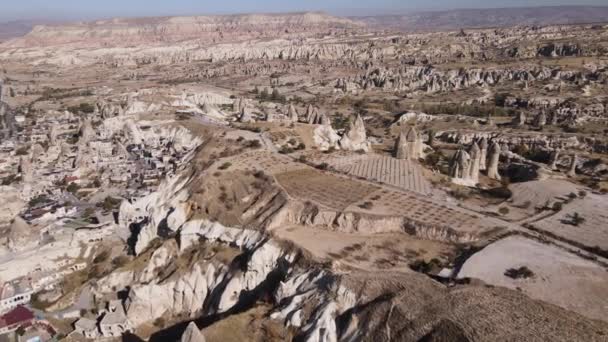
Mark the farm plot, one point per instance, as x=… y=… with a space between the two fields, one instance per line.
x=326 y=189
x=583 y=220
x=551 y=274
x=416 y=207
x=265 y=161
x=541 y=193
x=403 y=174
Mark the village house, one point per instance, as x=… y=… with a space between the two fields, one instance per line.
x=114 y=323
x=17 y=317
x=87 y=328
x=14 y=294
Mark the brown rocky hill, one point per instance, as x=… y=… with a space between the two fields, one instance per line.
x=135 y=31
x=491 y=17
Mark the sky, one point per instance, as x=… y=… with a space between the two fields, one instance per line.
x=94 y=9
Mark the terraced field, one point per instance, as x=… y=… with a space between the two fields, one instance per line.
x=326 y=189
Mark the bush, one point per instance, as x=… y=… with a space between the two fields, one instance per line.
x=120 y=261
x=519 y=273
x=101 y=257
x=82 y=108
x=503 y=210
x=225 y=166
x=110 y=203
x=73 y=188
x=323 y=166
x=499 y=192
x=557 y=206
x=286 y=149
x=254 y=144
x=22 y=151
x=366 y=205
x=38 y=200
x=574 y=219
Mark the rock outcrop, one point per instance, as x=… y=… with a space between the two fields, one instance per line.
x=292 y=114
x=356 y=137
x=325 y=137
x=461 y=166
x=475 y=155
x=495 y=151
x=483 y=156
x=409 y=145
x=246 y=116
x=573 y=163
x=554 y=159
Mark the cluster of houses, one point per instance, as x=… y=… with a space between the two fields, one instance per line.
x=56 y=163
x=111 y=322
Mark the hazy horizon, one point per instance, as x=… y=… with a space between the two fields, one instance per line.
x=79 y=10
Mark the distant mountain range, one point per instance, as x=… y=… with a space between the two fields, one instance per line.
x=418 y=21
x=492 y=17
x=18 y=28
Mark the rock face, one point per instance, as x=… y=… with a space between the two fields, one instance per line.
x=459 y=165
x=573 y=162
x=463 y=165
x=292 y=114
x=554 y=159
x=270 y=117
x=409 y=146
x=314 y=117
x=325 y=137
x=483 y=149
x=21 y=235
x=53 y=135
x=26 y=169
x=540 y=120
x=354 y=307
x=246 y=116
x=86 y=132
x=184 y=295
x=495 y=151
x=356 y=137
x=10 y=204
x=207 y=287
x=475 y=154
x=520 y=119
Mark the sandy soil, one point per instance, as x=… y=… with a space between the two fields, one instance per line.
x=367 y=252
x=593 y=231
x=559 y=277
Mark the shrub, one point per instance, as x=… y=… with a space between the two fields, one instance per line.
x=110 y=203
x=519 y=273
x=82 y=108
x=574 y=219
x=366 y=205
x=253 y=144
x=120 y=261
x=503 y=210
x=22 y=151
x=557 y=206
x=73 y=187
x=323 y=166
x=286 y=149
x=225 y=166
x=499 y=192
x=101 y=257
x=38 y=200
